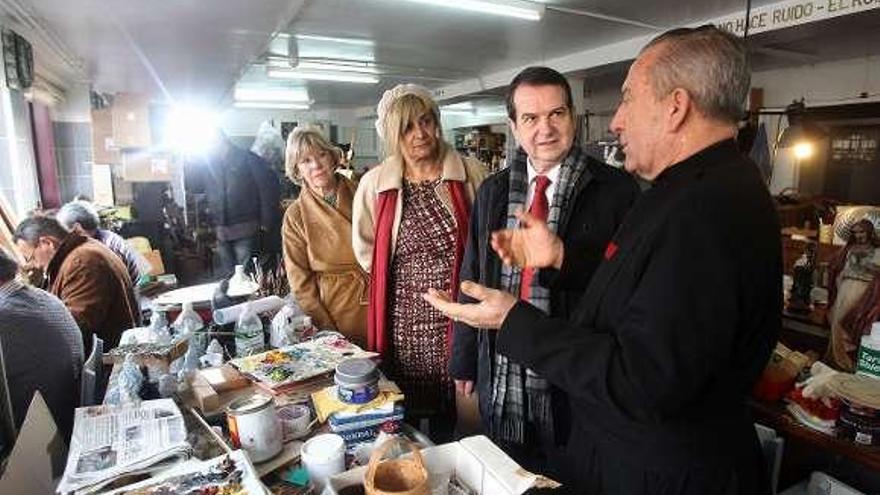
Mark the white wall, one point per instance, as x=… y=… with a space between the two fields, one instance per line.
x=18 y=170
x=600 y=102
x=245 y=122
x=828 y=83
x=76 y=106
x=824 y=83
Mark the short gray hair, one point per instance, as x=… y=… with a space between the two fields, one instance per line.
x=8 y=266
x=81 y=212
x=32 y=228
x=709 y=63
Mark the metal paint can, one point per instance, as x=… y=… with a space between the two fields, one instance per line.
x=357 y=381
x=254 y=427
x=858 y=423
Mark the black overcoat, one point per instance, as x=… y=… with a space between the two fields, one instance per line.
x=673 y=330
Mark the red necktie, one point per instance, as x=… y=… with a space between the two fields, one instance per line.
x=539 y=209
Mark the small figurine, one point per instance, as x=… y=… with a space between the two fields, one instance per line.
x=803 y=280
x=854 y=296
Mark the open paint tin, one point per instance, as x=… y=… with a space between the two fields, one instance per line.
x=254 y=427
x=860 y=408
x=357 y=381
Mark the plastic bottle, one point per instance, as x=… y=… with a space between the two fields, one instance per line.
x=240 y=284
x=190 y=323
x=188 y=320
x=248 y=333
x=213 y=355
x=868 y=362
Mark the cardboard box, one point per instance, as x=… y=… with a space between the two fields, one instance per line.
x=131 y=121
x=103 y=146
x=39 y=453
x=475 y=461
x=143 y=166
x=154 y=258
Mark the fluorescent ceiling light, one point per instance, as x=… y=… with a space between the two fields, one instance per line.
x=273 y=105
x=341 y=67
x=330 y=39
x=512 y=8
x=463 y=105
x=446 y=111
x=323 y=76
x=272 y=94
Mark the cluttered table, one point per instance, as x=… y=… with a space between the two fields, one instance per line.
x=250 y=398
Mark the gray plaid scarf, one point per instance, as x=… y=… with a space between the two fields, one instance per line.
x=519 y=395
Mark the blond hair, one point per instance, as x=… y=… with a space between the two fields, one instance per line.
x=405 y=111
x=302 y=142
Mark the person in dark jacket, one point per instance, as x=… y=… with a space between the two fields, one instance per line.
x=42 y=348
x=244 y=198
x=82 y=217
x=584 y=200
x=86 y=275
x=679 y=320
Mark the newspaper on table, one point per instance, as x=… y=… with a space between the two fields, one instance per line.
x=110 y=442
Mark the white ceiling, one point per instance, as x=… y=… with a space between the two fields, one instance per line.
x=195 y=48
x=198 y=49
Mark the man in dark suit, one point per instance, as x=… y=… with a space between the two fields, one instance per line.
x=680 y=318
x=584 y=201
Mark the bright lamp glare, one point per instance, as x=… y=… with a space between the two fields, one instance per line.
x=803 y=150
x=191 y=130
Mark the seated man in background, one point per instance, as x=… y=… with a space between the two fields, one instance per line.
x=81 y=217
x=42 y=348
x=91 y=281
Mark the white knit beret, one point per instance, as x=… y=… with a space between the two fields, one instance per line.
x=390 y=96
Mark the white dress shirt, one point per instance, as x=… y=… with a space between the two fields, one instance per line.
x=552 y=174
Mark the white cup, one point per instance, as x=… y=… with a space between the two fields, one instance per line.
x=323 y=456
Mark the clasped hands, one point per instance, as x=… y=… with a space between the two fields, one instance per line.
x=531 y=245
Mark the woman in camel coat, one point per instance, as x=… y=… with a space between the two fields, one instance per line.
x=324 y=276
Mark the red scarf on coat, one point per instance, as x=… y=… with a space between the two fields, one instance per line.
x=386 y=204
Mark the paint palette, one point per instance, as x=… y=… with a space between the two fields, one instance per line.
x=300 y=362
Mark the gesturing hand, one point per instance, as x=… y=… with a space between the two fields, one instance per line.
x=489 y=312
x=531 y=245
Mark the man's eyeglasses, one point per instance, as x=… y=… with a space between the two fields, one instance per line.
x=28 y=257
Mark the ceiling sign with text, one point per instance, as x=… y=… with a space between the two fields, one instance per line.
x=793 y=13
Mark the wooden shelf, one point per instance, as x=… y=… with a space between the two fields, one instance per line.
x=778 y=418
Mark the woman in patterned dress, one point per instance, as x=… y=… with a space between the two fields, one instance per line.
x=410 y=223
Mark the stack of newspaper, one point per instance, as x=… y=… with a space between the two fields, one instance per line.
x=111 y=442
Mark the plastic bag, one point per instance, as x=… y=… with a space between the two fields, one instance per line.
x=283 y=326
x=128 y=384
x=269 y=145
x=158 y=333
